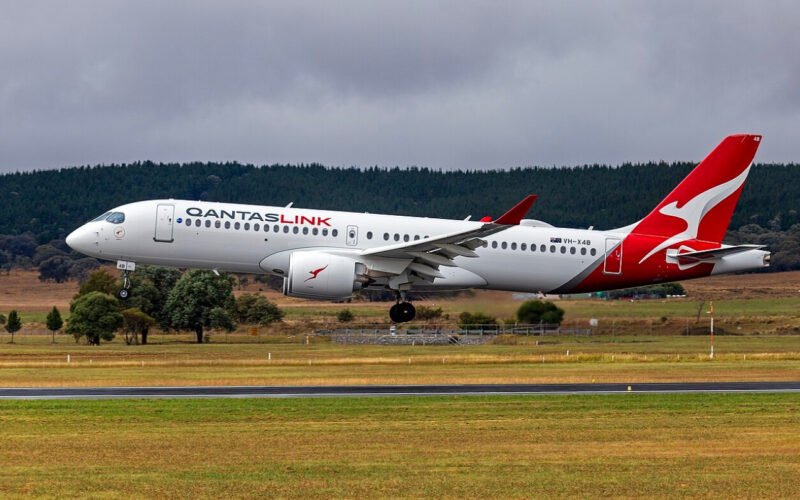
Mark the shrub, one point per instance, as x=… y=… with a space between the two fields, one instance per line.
x=540 y=311
x=345 y=316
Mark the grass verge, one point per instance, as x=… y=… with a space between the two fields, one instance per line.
x=669 y=446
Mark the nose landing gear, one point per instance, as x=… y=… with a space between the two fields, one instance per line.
x=126 y=268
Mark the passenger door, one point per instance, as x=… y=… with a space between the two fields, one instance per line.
x=613 y=261
x=164 y=223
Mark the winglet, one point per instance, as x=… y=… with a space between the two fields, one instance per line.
x=517 y=212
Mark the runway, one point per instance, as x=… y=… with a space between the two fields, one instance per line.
x=388 y=390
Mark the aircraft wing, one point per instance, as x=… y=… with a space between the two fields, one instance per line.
x=428 y=254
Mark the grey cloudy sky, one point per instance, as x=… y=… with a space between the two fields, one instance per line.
x=441 y=84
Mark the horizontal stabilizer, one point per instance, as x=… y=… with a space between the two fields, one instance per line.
x=709 y=255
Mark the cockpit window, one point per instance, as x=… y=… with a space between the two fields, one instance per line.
x=116 y=218
x=102 y=217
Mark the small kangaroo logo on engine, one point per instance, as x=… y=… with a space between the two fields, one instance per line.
x=315 y=272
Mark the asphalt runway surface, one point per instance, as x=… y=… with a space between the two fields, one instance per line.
x=388 y=390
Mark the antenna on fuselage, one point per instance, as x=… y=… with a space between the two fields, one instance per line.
x=289 y=205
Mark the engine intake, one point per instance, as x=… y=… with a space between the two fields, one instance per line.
x=323 y=276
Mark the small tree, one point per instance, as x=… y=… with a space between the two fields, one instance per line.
x=13 y=323
x=540 y=311
x=256 y=309
x=99 y=281
x=94 y=315
x=54 y=322
x=55 y=268
x=194 y=297
x=135 y=323
x=345 y=316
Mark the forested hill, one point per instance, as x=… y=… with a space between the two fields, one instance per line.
x=49 y=204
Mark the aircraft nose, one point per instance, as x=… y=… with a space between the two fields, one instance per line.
x=82 y=240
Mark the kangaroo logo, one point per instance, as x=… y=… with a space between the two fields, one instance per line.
x=314 y=273
x=693 y=211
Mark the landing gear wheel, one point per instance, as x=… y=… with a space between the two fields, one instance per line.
x=402 y=312
x=123 y=293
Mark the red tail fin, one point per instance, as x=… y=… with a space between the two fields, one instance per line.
x=702 y=205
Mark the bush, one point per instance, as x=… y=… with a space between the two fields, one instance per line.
x=345 y=316
x=540 y=311
x=466 y=318
x=256 y=310
x=425 y=313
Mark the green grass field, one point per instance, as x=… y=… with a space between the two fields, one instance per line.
x=665 y=446
x=282 y=360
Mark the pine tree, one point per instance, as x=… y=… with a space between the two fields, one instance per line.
x=54 y=322
x=13 y=323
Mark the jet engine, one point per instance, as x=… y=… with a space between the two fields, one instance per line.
x=323 y=276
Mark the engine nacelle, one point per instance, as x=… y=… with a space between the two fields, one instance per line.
x=322 y=276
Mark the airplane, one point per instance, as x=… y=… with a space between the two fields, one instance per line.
x=329 y=255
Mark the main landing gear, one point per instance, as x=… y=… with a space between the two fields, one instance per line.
x=402 y=311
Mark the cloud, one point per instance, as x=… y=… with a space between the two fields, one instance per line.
x=438 y=84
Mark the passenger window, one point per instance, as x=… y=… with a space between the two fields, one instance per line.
x=208 y=223
x=416 y=237
x=237 y=225
x=523 y=246
x=324 y=232
x=572 y=250
x=188 y=222
x=494 y=244
x=116 y=218
x=217 y=224
x=513 y=246
x=583 y=251
x=405 y=237
x=227 y=224
x=197 y=222
x=552 y=249
x=315 y=231
x=386 y=236
x=542 y=248
x=276 y=228
x=256 y=226
x=504 y=245
x=563 y=249
x=396 y=237
x=295 y=230
x=369 y=235
x=335 y=233
x=246 y=226
x=285 y=229
x=305 y=230
x=593 y=252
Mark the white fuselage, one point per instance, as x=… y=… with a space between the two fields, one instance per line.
x=530 y=257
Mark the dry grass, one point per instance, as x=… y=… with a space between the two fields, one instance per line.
x=665 y=446
x=570 y=359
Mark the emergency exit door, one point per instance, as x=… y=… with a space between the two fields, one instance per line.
x=613 y=261
x=164 y=222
